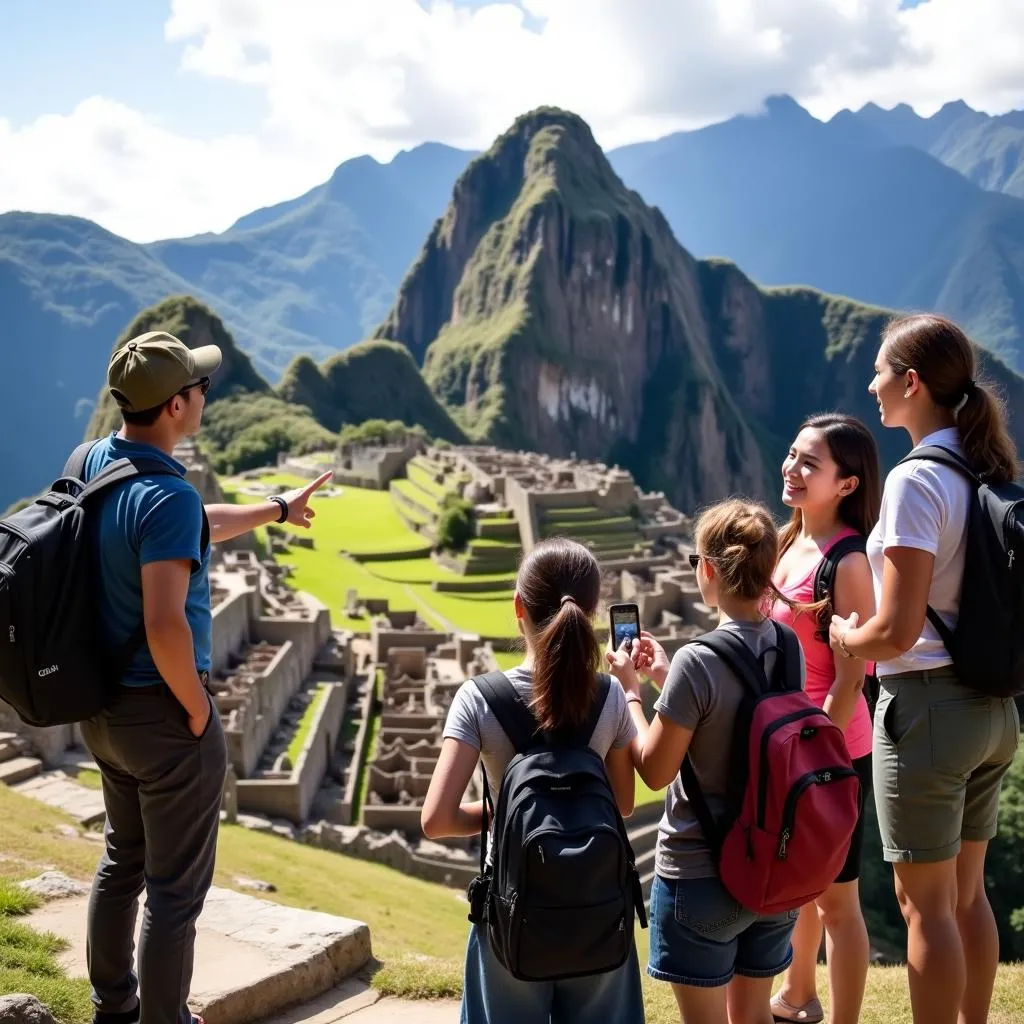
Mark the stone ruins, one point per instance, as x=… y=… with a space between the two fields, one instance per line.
x=333 y=735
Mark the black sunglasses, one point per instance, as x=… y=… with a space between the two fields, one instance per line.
x=695 y=561
x=203 y=384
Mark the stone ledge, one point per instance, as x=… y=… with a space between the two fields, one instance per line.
x=253 y=958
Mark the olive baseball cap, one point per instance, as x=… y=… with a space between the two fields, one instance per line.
x=152 y=368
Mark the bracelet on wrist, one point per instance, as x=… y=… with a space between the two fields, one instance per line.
x=632 y=698
x=278 y=500
x=842 y=644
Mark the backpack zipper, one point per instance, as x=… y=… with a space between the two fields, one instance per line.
x=762 y=782
x=822 y=777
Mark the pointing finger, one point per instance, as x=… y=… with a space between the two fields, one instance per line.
x=318 y=482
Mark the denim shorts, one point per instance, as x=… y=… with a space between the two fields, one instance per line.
x=490 y=995
x=701 y=936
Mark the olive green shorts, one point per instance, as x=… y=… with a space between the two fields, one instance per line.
x=940 y=753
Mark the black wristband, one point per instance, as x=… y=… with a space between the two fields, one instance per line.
x=277 y=499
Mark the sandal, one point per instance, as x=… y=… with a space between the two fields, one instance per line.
x=786 y=1013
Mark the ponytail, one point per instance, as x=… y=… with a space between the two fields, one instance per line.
x=944 y=359
x=984 y=437
x=565 y=665
x=559 y=584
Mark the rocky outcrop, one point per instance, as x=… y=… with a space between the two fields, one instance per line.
x=551 y=309
x=547 y=301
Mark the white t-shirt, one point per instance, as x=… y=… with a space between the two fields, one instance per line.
x=925 y=506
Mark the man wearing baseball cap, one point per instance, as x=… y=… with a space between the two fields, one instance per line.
x=159 y=744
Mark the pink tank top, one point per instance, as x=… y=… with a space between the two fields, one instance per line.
x=821 y=668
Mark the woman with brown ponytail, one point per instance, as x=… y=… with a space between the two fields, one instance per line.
x=557 y=592
x=940 y=749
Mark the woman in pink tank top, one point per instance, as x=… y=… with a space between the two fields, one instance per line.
x=831 y=481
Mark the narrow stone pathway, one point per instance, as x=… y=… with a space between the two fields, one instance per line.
x=354 y=1002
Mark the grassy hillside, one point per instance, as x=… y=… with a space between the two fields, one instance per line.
x=418 y=930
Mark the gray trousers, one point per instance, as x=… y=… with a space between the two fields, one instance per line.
x=162 y=790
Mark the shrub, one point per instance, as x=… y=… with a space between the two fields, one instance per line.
x=454 y=523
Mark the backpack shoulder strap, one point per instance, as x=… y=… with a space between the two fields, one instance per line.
x=514 y=717
x=824 y=586
x=75 y=466
x=586 y=731
x=738 y=656
x=825 y=575
x=127 y=468
x=944 y=456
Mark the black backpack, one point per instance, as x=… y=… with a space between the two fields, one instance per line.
x=825 y=587
x=52 y=669
x=987 y=645
x=559 y=895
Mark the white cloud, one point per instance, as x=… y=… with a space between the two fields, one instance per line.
x=341 y=79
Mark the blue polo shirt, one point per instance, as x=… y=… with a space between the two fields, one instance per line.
x=152 y=518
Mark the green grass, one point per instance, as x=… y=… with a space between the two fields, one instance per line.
x=306 y=723
x=418 y=929
x=508 y=659
x=419 y=473
x=90 y=778
x=645 y=795
x=28 y=961
x=357 y=520
x=363 y=521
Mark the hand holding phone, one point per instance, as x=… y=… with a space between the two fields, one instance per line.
x=625 y=626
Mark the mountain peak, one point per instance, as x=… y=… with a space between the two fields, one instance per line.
x=782 y=105
x=955 y=108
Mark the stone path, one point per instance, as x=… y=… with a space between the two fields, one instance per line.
x=354 y=1002
x=57 y=789
x=252 y=957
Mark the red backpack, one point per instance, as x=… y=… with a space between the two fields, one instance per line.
x=793 y=796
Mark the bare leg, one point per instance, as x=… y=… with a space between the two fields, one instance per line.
x=701 y=1005
x=847 y=950
x=978 y=933
x=936 y=967
x=750 y=1000
x=798 y=984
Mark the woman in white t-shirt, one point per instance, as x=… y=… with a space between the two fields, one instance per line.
x=940 y=749
x=557 y=593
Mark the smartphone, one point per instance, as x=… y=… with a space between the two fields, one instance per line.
x=625 y=625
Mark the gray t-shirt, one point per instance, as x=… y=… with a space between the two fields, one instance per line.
x=471 y=720
x=702 y=694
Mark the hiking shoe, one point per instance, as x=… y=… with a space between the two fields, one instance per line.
x=129 y=1017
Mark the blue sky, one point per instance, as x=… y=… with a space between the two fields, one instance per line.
x=160 y=117
x=113 y=48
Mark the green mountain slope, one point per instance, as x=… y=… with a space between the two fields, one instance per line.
x=553 y=310
x=247 y=422
x=312 y=275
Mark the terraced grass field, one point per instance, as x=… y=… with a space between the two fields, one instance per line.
x=365 y=522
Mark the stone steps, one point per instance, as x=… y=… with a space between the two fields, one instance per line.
x=55 y=789
x=18 y=769
x=11 y=745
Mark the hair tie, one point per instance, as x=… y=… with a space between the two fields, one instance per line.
x=568 y=597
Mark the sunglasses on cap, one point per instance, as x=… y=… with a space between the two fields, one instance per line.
x=203 y=384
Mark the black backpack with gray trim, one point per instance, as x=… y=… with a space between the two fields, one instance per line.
x=559 y=895
x=987 y=644
x=53 y=668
